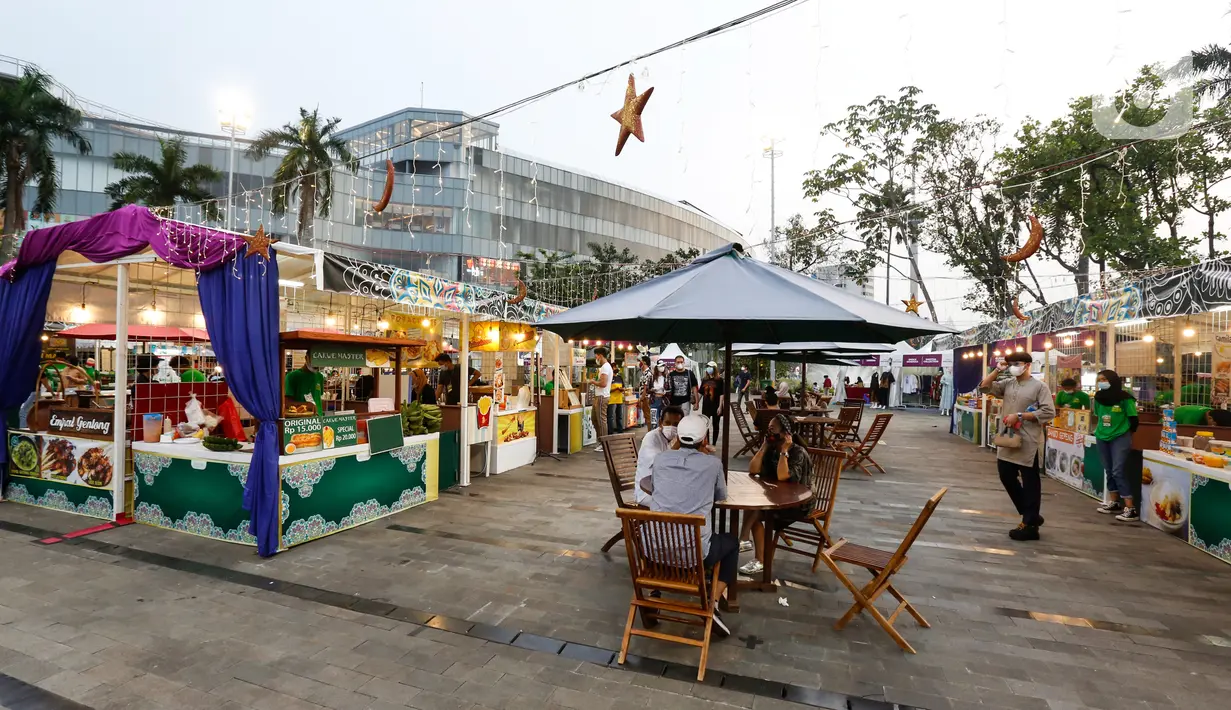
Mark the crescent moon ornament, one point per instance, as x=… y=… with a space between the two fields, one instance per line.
x=388 y=193
x=521 y=293
x=1017 y=311
x=1031 y=245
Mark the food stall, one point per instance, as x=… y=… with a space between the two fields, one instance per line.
x=1188 y=495
x=1071 y=455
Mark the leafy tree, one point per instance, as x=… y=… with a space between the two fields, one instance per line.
x=313 y=148
x=31 y=118
x=160 y=183
x=874 y=172
x=1213 y=65
x=971 y=227
x=1111 y=211
x=570 y=279
x=800 y=248
x=1206 y=161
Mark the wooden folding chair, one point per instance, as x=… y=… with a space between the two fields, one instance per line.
x=860 y=405
x=848 y=424
x=620 y=451
x=859 y=453
x=826 y=469
x=664 y=554
x=752 y=439
x=882 y=566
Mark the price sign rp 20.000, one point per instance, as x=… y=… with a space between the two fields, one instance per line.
x=93 y=423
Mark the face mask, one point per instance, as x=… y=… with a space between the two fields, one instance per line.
x=709 y=370
x=1017 y=370
x=670 y=432
x=679 y=366
x=1104 y=385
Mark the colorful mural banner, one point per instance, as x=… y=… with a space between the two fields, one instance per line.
x=364 y=278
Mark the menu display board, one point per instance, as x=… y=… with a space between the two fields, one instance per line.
x=307 y=434
x=79 y=462
x=338 y=430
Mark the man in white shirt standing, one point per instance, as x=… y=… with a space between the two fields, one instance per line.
x=653 y=444
x=602 y=390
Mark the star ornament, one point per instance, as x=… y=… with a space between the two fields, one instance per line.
x=912 y=306
x=629 y=117
x=259 y=243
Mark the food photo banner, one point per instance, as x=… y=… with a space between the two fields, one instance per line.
x=1179 y=292
x=363 y=278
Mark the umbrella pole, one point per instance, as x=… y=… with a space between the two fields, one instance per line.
x=726 y=411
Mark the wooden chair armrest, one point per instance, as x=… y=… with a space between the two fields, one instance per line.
x=840 y=542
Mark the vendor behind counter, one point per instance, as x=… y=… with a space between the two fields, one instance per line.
x=305 y=383
x=1070 y=396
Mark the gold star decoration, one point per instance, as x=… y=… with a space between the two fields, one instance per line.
x=629 y=117
x=912 y=306
x=259 y=243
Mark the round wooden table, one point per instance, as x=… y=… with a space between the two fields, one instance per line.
x=746 y=492
x=812 y=429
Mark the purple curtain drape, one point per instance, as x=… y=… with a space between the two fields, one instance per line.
x=126 y=231
x=23 y=307
x=240 y=305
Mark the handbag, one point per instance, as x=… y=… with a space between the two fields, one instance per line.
x=1008 y=438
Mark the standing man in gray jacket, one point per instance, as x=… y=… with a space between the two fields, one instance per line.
x=1028 y=405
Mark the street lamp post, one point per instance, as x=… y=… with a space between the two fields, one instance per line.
x=234 y=123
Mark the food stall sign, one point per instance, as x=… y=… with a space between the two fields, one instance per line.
x=88 y=422
x=338 y=430
x=334 y=355
x=302 y=434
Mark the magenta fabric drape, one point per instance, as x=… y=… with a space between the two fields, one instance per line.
x=124 y=232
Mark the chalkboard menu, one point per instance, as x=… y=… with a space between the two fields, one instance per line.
x=385 y=433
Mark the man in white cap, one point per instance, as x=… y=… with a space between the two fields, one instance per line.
x=686 y=479
x=90 y=369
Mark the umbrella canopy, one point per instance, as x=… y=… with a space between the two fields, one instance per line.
x=106 y=331
x=818 y=346
x=725 y=296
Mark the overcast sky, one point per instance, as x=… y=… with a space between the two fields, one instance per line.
x=716 y=103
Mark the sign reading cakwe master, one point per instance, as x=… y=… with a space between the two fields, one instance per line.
x=86 y=422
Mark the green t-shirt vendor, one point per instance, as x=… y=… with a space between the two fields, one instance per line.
x=1115 y=413
x=1071 y=397
x=305 y=382
x=187 y=369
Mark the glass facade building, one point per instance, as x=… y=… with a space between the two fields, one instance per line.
x=462 y=206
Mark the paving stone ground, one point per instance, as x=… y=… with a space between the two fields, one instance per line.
x=1096 y=615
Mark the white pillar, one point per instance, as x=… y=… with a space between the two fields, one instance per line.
x=463 y=356
x=119 y=424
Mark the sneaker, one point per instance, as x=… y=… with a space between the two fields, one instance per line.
x=1024 y=532
x=598 y=449
x=754 y=567
x=1129 y=515
x=745 y=545
x=720 y=626
x=1038 y=522
x=1114 y=506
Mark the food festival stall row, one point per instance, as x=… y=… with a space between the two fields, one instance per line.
x=329 y=469
x=1168 y=335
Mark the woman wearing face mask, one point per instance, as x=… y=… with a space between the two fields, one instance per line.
x=1115 y=412
x=1027 y=407
x=781 y=458
x=713 y=398
x=658 y=391
x=876 y=390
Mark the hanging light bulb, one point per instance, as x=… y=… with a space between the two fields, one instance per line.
x=426 y=322
x=996 y=353
x=1020 y=349
x=1188 y=331
x=330 y=320
x=1089 y=342
x=1159 y=360
x=382 y=324
x=1067 y=340
x=1148 y=338
x=45 y=337
x=1047 y=345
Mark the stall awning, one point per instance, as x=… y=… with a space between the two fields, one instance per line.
x=106 y=331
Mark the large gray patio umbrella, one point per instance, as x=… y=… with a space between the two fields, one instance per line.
x=726 y=296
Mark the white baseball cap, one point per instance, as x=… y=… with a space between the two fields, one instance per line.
x=711 y=363
x=693 y=428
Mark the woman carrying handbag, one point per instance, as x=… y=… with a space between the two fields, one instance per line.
x=1027 y=409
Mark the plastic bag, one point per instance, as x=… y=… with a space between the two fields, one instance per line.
x=193 y=412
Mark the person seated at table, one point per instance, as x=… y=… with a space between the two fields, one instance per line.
x=653 y=444
x=781 y=459
x=858 y=381
x=770 y=399
x=686 y=479
x=1069 y=396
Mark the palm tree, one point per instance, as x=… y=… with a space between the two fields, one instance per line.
x=160 y=184
x=31 y=118
x=1214 y=64
x=312 y=150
